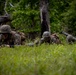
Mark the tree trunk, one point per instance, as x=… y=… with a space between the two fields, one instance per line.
x=44 y=15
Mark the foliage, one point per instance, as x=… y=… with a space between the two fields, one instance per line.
x=69 y=17
x=57 y=8
x=25 y=15
x=23 y=20
x=42 y=60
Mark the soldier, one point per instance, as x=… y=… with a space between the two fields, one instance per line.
x=45 y=38
x=70 y=38
x=6 y=36
x=9 y=37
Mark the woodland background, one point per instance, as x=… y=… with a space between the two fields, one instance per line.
x=26 y=15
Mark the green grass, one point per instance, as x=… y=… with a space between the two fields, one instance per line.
x=41 y=60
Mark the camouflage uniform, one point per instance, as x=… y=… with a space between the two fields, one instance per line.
x=17 y=38
x=55 y=39
x=69 y=38
x=6 y=36
x=22 y=37
x=45 y=38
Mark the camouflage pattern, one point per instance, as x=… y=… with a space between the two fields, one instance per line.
x=46 y=34
x=6 y=36
x=55 y=39
x=9 y=37
x=6 y=39
x=5 y=29
x=17 y=38
x=22 y=37
x=45 y=38
x=69 y=38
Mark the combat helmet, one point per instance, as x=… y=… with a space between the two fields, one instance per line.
x=5 y=29
x=46 y=34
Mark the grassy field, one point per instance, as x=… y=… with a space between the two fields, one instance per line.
x=41 y=60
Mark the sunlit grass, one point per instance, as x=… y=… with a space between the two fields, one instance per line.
x=41 y=60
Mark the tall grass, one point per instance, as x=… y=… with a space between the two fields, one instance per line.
x=41 y=60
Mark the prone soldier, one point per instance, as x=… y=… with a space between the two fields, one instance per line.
x=70 y=38
x=45 y=38
x=9 y=37
x=6 y=36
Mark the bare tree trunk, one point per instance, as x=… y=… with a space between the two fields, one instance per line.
x=5 y=7
x=44 y=14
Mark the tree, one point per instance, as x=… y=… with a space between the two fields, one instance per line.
x=44 y=15
x=25 y=14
